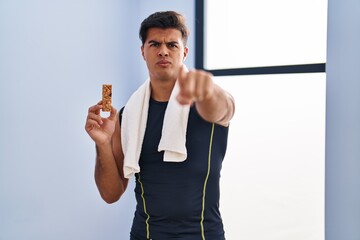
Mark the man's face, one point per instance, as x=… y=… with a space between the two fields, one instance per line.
x=164 y=53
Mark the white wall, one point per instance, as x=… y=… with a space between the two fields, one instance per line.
x=273 y=173
x=343 y=121
x=54 y=56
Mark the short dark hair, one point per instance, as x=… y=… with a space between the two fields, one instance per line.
x=166 y=19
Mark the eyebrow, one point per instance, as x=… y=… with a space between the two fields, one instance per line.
x=171 y=42
x=152 y=41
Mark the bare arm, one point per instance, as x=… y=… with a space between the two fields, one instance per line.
x=213 y=103
x=109 y=157
x=218 y=107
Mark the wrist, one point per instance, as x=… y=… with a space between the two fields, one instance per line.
x=103 y=146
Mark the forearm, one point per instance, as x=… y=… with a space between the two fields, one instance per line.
x=218 y=108
x=107 y=176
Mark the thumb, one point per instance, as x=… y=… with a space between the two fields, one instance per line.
x=112 y=113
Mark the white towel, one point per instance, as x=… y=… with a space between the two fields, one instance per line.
x=134 y=118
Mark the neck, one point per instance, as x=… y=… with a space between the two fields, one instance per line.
x=161 y=90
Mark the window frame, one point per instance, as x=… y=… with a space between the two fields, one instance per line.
x=199 y=55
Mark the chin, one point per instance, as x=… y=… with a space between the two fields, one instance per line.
x=165 y=75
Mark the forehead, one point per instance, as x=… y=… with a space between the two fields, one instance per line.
x=167 y=35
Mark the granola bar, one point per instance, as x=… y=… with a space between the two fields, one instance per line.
x=106 y=97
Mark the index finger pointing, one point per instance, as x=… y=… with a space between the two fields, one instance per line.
x=182 y=74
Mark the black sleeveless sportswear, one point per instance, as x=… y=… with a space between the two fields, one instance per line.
x=180 y=200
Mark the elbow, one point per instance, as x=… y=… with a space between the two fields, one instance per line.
x=110 y=191
x=110 y=198
x=110 y=195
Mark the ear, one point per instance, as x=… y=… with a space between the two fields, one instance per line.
x=186 y=51
x=142 y=52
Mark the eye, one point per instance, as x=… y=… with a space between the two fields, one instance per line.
x=172 y=45
x=154 y=44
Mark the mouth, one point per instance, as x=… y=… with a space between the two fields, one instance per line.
x=163 y=63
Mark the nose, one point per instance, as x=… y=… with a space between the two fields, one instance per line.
x=163 y=51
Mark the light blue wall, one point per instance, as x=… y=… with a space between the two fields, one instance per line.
x=54 y=56
x=343 y=121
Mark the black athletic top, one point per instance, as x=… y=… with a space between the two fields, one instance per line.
x=180 y=200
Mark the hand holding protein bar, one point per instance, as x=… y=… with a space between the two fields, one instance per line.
x=101 y=128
